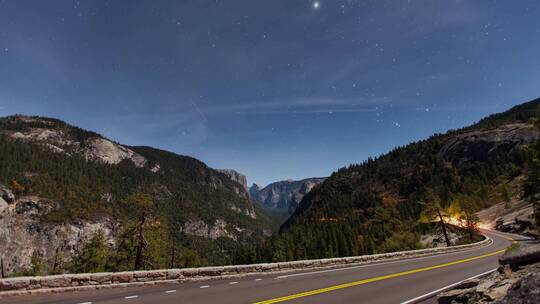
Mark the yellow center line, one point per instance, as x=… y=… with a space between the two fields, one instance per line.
x=375 y=279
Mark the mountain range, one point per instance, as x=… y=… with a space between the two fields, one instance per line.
x=384 y=203
x=279 y=198
x=68 y=183
x=63 y=189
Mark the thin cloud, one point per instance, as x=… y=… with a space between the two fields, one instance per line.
x=299 y=105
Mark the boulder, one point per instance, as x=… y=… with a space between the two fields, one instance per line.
x=526 y=291
x=3 y=205
x=174 y=274
x=497 y=292
x=468 y=284
x=524 y=255
x=7 y=194
x=485 y=285
x=455 y=295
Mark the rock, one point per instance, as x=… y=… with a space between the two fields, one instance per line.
x=283 y=196
x=485 y=285
x=219 y=229
x=56 y=281
x=200 y=228
x=174 y=274
x=497 y=292
x=122 y=277
x=210 y=271
x=481 y=145
x=6 y=194
x=524 y=255
x=457 y=295
x=190 y=272
x=22 y=233
x=80 y=279
x=3 y=205
x=14 y=284
x=235 y=177
x=195 y=227
x=106 y=151
x=468 y=284
x=526 y=291
x=101 y=278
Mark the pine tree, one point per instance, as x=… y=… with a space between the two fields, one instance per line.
x=93 y=256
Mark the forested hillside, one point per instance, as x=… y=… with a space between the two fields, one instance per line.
x=190 y=214
x=380 y=204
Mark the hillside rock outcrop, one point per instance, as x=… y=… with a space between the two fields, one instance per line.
x=24 y=236
x=479 y=145
x=100 y=149
x=236 y=177
x=61 y=138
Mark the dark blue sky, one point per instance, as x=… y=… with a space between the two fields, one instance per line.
x=274 y=89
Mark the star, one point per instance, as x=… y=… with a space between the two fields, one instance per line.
x=316 y=5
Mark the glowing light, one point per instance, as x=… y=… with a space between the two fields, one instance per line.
x=316 y=5
x=456 y=222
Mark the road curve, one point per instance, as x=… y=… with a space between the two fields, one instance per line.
x=409 y=280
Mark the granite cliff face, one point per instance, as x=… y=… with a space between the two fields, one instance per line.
x=24 y=236
x=237 y=178
x=283 y=196
x=480 y=145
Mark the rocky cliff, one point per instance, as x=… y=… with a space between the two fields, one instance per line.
x=283 y=196
x=482 y=144
x=61 y=184
x=237 y=178
x=24 y=237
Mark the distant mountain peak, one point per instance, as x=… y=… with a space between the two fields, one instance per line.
x=284 y=196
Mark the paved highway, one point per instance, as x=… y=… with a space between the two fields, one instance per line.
x=407 y=281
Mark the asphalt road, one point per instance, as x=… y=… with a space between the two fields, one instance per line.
x=404 y=281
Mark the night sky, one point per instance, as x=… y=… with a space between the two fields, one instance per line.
x=275 y=89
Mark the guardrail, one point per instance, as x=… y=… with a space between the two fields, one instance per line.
x=86 y=281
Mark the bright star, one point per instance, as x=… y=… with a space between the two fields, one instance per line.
x=316 y=5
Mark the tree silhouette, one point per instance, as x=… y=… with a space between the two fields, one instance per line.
x=144 y=204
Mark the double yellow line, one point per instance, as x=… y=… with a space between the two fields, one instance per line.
x=375 y=279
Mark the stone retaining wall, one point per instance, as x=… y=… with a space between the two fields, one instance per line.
x=75 y=282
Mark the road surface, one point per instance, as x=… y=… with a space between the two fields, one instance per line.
x=409 y=280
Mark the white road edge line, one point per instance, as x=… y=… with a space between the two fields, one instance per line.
x=205 y=286
x=258 y=279
x=170 y=291
x=232 y=283
x=131 y=297
x=85 y=303
x=424 y=296
x=377 y=264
